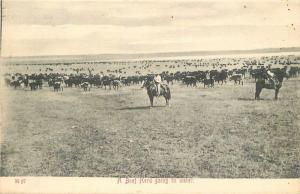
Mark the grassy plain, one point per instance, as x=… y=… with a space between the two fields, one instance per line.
x=217 y=132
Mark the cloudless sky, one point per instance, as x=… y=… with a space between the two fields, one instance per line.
x=67 y=27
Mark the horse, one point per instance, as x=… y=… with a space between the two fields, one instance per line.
x=152 y=91
x=274 y=84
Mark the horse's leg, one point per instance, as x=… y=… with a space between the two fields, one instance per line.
x=276 y=93
x=167 y=103
x=166 y=98
x=151 y=100
x=257 y=93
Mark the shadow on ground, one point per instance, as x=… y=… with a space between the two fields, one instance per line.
x=252 y=99
x=139 y=107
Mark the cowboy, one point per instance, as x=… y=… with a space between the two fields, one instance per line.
x=271 y=76
x=157 y=81
x=207 y=75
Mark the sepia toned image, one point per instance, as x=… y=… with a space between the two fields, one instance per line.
x=153 y=89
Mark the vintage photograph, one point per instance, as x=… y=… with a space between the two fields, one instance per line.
x=153 y=89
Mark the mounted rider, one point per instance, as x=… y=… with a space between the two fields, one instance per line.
x=271 y=76
x=207 y=75
x=157 y=81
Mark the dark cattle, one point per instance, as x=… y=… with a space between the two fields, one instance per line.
x=116 y=84
x=86 y=86
x=256 y=73
x=209 y=83
x=7 y=82
x=220 y=76
x=33 y=85
x=106 y=81
x=241 y=72
x=190 y=81
x=57 y=86
x=237 y=78
x=50 y=82
x=293 y=71
x=39 y=80
x=69 y=82
x=16 y=83
x=26 y=82
x=169 y=79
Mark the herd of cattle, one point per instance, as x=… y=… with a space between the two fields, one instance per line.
x=83 y=80
x=87 y=78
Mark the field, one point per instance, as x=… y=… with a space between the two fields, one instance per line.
x=217 y=132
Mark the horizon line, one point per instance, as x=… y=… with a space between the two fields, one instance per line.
x=267 y=50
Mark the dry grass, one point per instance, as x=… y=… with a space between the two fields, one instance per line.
x=220 y=133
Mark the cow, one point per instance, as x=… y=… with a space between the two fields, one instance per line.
x=86 y=86
x=57 y=85
x=190 y=81
x=237 y=78
x=116 y=84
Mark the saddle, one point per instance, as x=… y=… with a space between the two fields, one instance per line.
x=272 y=82
x=158 y=87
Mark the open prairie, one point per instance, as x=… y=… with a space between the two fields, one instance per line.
x=216 y=132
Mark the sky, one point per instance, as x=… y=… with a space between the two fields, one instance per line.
x=61 y=27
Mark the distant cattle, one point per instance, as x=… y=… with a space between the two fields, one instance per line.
x=57 y=86
x=33 y=85
x=190 y=81
x=86 y=86
x=116 y=84
x=209 y=83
